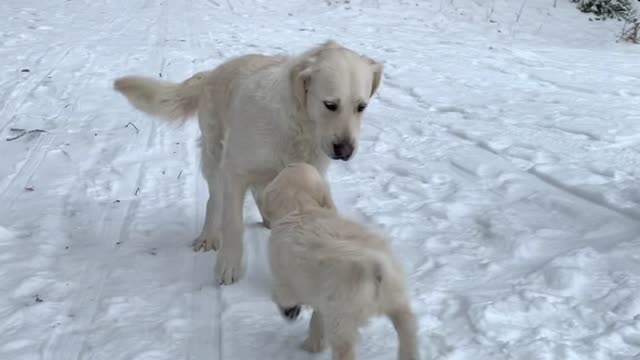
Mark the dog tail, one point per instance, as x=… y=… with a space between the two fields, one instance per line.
x=163 y=99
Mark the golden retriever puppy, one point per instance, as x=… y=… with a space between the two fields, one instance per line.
x=258 y=113
x=343 y=270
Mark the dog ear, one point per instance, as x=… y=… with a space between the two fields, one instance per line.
x=300 y=78
x=377 y=69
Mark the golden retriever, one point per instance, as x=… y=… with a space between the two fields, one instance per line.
x=343 y=270
x=257 y=114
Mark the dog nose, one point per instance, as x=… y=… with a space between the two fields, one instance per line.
x=342 y=151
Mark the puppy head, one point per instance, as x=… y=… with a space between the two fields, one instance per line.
x=298 y=186
x=333 y=85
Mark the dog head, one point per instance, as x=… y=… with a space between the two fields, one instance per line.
x=297 y=187
x=333 y=85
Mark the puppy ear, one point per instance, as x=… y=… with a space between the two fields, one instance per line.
x=377 y=69
x=327 y=45
x=327 y=202
x=327 y=199
x=330 y=44
x=268 y=203
x=300 y=78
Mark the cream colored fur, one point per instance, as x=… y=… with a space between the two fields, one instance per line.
x=343 y=270
x=258 y=113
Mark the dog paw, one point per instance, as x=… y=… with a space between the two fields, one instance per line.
x=291 y=313
x=205 y=243
x=313 y=345
x=228 y=271
x=266 y=223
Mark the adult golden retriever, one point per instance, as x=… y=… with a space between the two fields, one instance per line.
x=257 y=114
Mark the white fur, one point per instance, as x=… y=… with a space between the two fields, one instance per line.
x=257 y=114
x=343 y=270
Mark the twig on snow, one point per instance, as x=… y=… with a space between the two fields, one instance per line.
x=23 y=133
x=521 y=10
x=180 y=174
x=491 y=11
x=630 y=32
x=137 y=191
x=134 y=126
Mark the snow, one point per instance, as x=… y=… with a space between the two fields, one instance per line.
x=501 y=156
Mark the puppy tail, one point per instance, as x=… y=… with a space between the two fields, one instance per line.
x=379 y=271
x=163 y=99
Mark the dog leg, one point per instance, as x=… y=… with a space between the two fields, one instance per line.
x=209 y=238
x=404 y=321
x=229 y=262
x=315 y=342
x=257 y=191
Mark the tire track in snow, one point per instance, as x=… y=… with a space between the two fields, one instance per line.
x=34 y=157
x=19 y=179
x=123 y=217
x=570 y=191
x=114 y=223
x=16 y=88
x=584 y=195
x=205 y=341
x=33 y=89
x=36 y=154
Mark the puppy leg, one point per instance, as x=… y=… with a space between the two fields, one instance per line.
x=404 y=321
x=315 y=342
x=343 y=332
x=257 y=191
x=290 y=313
x=343 y=348
x=209 y=238
x=288 y=307
x=229 y=262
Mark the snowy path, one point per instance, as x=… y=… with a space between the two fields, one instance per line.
x=501 y=157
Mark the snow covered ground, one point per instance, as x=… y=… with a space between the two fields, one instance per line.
x=501 y=156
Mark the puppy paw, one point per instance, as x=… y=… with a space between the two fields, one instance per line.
x=313 y=345
x=408 y=354
x=290 y=313
x=205 y=243
x=228 y=269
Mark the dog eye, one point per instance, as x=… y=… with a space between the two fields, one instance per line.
x=331 y=106
x=361 y=107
